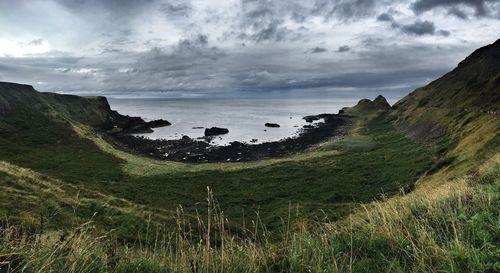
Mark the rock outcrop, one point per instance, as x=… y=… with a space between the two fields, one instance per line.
x=214 y=131
x=272 y=125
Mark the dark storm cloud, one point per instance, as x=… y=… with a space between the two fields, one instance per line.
x=481 y=7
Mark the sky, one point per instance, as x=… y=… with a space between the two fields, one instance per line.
x=204 y=48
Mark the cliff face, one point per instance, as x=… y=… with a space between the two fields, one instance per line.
x=19 y=98
x=21 y=102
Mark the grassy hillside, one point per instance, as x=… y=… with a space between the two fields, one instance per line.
x=452 y=229
x=459 y=112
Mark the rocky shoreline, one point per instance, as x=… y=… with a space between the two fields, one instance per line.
x=199 y=151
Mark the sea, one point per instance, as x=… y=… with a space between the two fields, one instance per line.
x=245 y=118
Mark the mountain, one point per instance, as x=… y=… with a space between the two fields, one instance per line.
x=366 y=106
x=474 y=84
x=458 y=112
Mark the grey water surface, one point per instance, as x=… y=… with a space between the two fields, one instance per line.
x=244 y=117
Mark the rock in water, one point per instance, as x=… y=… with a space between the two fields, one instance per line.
x=273 y=125
x=216 y=131
x=310 y=119
x=158 y=123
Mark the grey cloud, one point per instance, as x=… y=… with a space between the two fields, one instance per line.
x=458 y=13
x=109 y=6
x=194 y=65
x=418 y=28
x=35 y=42
x=176 y=9
x=344 y=9
x=255 y=45
x=319 y=50
x=385 y=17
x=481 y=7
x=343 y=49
x=199 y=40
x=262 y=22
x=298 y=16
x=443 y=32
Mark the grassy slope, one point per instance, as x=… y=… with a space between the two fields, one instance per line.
x=454 y=229
x=333 y=177
x=452 y=112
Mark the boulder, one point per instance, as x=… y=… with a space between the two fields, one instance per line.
x=272 y=125
x=158 y=123
x=216 y=131
x=311 y=118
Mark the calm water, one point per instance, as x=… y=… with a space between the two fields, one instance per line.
x=245 y=118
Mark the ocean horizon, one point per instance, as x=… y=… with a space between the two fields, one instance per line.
x=245 y=118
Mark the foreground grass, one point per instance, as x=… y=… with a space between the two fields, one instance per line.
x=455 y=231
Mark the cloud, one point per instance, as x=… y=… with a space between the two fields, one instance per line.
x=385 y=17
x=318 y=50
x=178 y=9
x=111 y=7
x=458 y=13
x=418 y=28
x=343 y=49
x=344 y=9
x=35 y=42
x=482 y=8
x=261 y=22
x=235 y=45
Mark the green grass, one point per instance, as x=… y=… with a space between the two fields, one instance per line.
x=454 y=231
x=52 y=147
x=333 y=178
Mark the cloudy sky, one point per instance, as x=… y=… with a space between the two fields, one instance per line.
x=239 y=47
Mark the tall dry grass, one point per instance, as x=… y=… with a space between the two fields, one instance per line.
x=453 y=232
